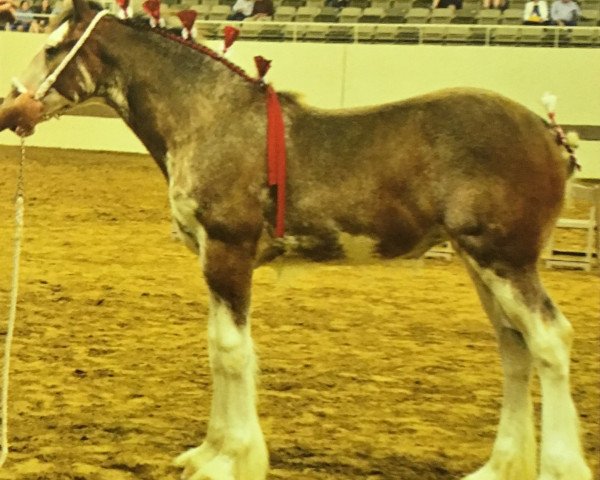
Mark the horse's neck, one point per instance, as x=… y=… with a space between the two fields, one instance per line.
x=165 y=92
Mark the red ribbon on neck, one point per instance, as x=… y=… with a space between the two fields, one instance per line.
x=276 y=156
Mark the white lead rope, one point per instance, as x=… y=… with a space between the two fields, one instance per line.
x=19 y=209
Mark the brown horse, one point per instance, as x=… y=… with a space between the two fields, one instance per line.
x=464 y=165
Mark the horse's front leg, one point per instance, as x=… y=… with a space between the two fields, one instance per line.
x=234 y=448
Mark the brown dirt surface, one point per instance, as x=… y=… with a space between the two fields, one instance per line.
x=386 y=371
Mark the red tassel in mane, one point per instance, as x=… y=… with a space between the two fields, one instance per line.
x=187 y=18
x=230 y=34
x=152 y=8
x=262 y=65
x=123 y=4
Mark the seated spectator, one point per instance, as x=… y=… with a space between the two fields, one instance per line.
x=501 y=4
x=262 y=8
x=451 y=4
x=241 y=10
x=536 y=13
x=565 y=12
x=44 y=9
x=23 y=17
x=7 y=13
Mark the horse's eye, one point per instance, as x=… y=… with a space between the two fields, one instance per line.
x=51 y=51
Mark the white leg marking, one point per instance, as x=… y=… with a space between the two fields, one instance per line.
x=514 y=453
x=234 y=448
x=548 y=337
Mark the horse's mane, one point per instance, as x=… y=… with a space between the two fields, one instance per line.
x=140 y=22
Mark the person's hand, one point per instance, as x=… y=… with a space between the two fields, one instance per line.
x=30 y=112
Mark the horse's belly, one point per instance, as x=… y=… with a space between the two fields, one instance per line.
x=346 y=249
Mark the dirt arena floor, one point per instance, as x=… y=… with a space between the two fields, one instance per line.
x=381 y=372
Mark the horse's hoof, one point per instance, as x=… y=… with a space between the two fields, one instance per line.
x=207 y=463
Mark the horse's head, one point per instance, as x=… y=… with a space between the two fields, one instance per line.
x=64 y=73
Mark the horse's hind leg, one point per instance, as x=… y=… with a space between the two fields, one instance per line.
x=514 y=453
x=234 y=448
x=527 y=309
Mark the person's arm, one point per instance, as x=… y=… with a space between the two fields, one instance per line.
x=238 y=6
x=22 y=115
x=527 y=11
x=554 y=11
x=544 y=11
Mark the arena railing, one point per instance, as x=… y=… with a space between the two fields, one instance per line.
x=418 y=34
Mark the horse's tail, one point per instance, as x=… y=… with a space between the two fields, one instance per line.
x=569 y=141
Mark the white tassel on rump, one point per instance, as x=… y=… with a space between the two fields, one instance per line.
x=549 y=101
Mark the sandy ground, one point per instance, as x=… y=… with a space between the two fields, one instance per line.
x=374 y=372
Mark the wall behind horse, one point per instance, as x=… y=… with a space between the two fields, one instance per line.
x=334 y=75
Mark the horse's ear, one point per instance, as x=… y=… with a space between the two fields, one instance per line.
x=80 y=9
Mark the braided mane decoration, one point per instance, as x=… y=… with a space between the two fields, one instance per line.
x=205 y=51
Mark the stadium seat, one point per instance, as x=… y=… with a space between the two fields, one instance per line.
x=417 y=15
x=441 y=15
x=405 y=5
x=589 y=18
x=488 y=17
x=365 y=33
x=202 y=9
x=315 y=32
x=506 y=35
x=532 y=35
x=434 y=34
x=327 y=15
x=271 y=31
x=250 y=30
x=349 y=15
x=294 y=32
x=512 y=16
x=292 y=3
x=385 y=4
x=359 y=3
x=465 y=15
x=583 y=37
x=407 y=34
x=372 y=15
x=315 y=3
x=307 y=14
x=394 y=15
x=340 y=33
x=386 y=33
x=219 y=12
x=458 y=34
x=284 y=14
